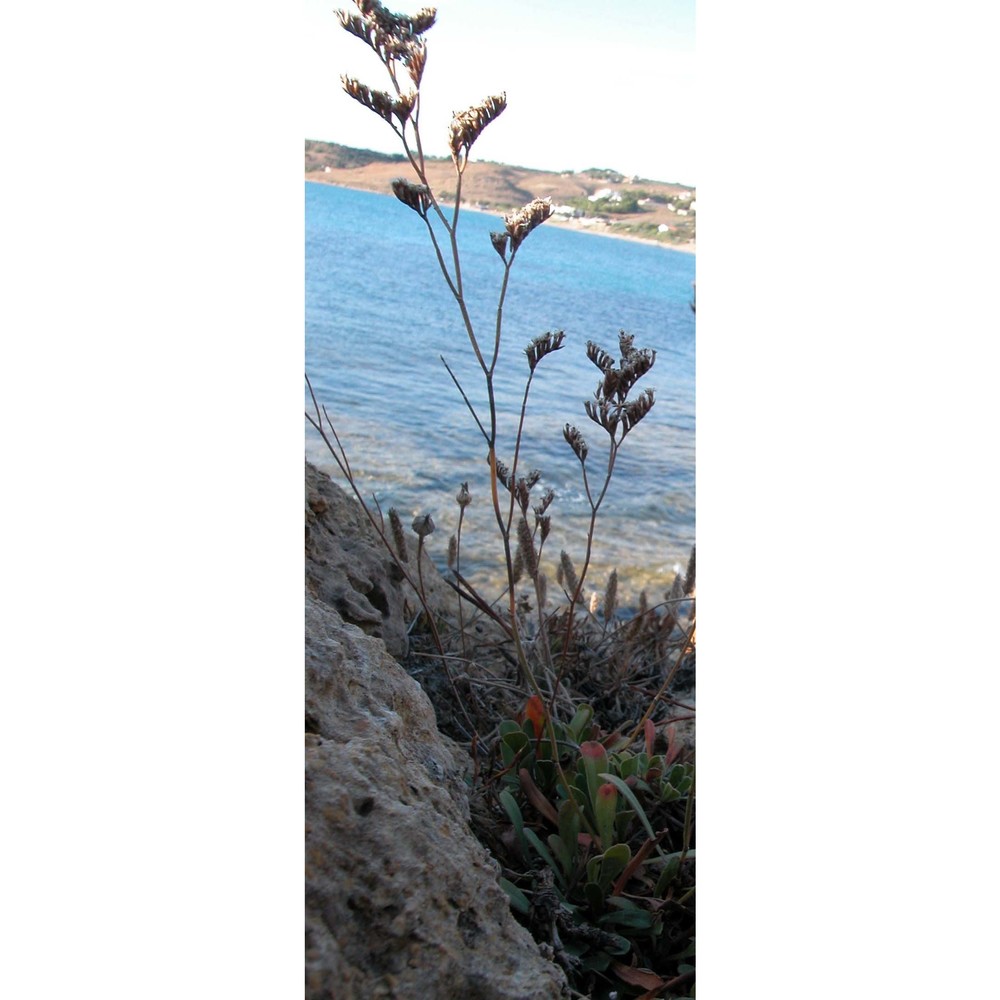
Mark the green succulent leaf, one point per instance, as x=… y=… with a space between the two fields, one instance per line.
x=579 y=726
x=513 y=811
x=563 y=856
x=569 y=827
x=633 y=801
x=605 y=807
x=518 y=900
x=516 y=740
x=613 y=862
x=593 y=760
x=640 y=920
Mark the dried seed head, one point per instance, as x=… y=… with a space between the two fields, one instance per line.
x=452 y=551
x=618 y=381
x=499 y=241
x=638 y=363
x=545 y=344
x=517 y=566
x=415 y=196
x=503 y=474
x=543 y=505
x=423 y=525
x=415 y=61
x=358 y=26
x=611 y=596
x=568 y=572
x=643 y=604
x=575 y=440
x=599 y=356
x=398 y=27
x=601 y=412
x=635 y=410
x=395 y=37
x=543 y=590
x=544 y=525
x=402 y=106
x=522 y=491
x=467 y=126
x=398 y=536
x=676 y=591
x=689 y=578
x=463 y=498
x=383 y=104
x=625 y=344
x=526 y=546
x=522 y=221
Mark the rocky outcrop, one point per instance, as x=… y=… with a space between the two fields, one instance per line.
x=349 y=569
x=347 y=566
x=401 y=900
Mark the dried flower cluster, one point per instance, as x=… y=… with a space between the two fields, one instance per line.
x=416 y=196
x=634 y=364
x=398 y=536
x=423 y=525
x=394 y=37
x=545 y=344
x=467 y=126
x=519 y=223
x=611 y=407
x=566 y=572
x=382 y=103
x=526 y=546
x=611 y=596
x=575 y=440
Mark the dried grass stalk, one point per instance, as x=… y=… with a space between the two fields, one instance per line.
x=611 y=596
x=526 y=546
x=568 y=572
x=398 y=535
x=689 y=577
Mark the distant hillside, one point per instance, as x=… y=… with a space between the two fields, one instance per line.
x=330 y=154
x=600 y=199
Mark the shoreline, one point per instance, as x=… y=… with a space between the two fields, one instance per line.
x=577 y=225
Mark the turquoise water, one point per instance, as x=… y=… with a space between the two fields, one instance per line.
x=378 y=315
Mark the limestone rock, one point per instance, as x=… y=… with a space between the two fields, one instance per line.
x=348 y=567
x=401 y=900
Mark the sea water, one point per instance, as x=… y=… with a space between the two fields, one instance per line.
x=379 y=317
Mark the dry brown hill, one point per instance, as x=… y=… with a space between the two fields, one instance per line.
x=636 y=207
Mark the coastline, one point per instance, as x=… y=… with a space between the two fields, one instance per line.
x=577 y=225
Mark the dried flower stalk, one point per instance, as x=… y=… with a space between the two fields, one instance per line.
x=398 y=535
x=523 y=220
x=467 y=126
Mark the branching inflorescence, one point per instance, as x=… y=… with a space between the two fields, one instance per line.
x=598 y=800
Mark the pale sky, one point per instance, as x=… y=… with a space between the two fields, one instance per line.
x=588 y=83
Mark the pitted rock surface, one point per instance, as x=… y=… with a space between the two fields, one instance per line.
x=349 y=569
x=347 y=566
x=401 y=900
